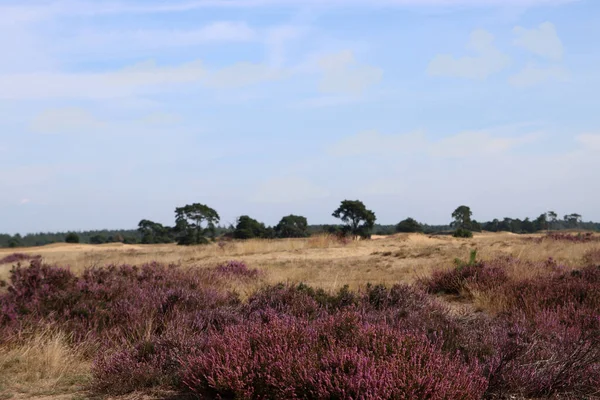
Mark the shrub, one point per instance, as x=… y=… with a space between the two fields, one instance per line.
x=333 y=357
x=462 y=233
x=18 y=257
x=236 y=269
x=72 y=238
x=409 y=225
x=115 y=302
x=465 y=278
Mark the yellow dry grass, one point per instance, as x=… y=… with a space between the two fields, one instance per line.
x=322 y=260
x=44 y=364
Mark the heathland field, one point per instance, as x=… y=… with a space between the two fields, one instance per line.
x=397 y=317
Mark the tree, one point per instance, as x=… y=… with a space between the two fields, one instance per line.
x=15 y=241
x=98 y=239
x=189 y=223
x=292 y=226
x=541 y=222
x=572 y=220
x=528 y=226
x=249 y=228
x=72 y=238
x=409 y=225
x=462 y=218
x=359 y=221
x=552 y=218
x=153 y=232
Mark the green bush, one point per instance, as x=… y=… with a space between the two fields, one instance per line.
x=72 y=238
x=463 y=233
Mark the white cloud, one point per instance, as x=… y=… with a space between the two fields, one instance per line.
x=243 y=74
x=131 y=41
x=25 y=201
x=461 y=145
x=373 y=142
x=289 y=189
x=139 y=79
x=542 y=41
x=589 y=141
x=39 y=11
x=341 y=74
x=65 y=120
x=533 y=75
x=276 y=40
x=74 y=120
x=488 y=61
x=470 y=144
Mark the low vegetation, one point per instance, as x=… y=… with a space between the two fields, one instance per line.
x=226 y=331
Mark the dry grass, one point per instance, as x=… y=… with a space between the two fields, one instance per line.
x=44 y=364
x=324 y=261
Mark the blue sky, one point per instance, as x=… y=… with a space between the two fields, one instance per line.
x=111 y=112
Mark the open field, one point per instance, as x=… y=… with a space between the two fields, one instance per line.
x=322 y=260
x=48 y=360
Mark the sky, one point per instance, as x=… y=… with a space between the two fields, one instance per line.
x=117 y=111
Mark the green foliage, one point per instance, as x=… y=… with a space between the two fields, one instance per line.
x=193 y=222
x=249 y=228
x=292 y=226
x=460 y=264
x=153 y=232
x=358 y=219
x=462 y=233
x=72 y=238
x=462 y=218
x=409 y=225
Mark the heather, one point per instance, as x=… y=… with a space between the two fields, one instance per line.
x=163 y=327
x=17 y=258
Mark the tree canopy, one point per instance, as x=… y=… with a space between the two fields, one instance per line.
x=358 y=219
x=292 y=226
x=193 y=222
x=409 y=225
x=249 y=228
x=462 y=218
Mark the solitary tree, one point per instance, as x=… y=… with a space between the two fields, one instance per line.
x=359 y=221
x=292 y=226
x=409 y=225
x=462 y=218
x=193 y=221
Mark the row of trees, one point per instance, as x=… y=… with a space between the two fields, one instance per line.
x=462 y=220
x=196 y=224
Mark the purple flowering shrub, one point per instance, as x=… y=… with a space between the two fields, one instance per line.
x=18 y=257
x=236 y=269
x=332 y=357
x=461 y=280
x=567 y=237
x=116 y=301
x=546 y=341
x=164 y=327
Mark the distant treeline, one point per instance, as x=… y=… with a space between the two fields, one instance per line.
x=187 y=229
